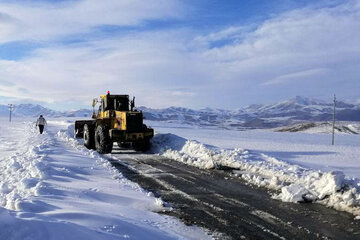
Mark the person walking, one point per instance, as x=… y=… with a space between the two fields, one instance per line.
x=41 y=122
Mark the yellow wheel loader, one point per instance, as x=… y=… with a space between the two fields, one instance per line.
x=116 y=121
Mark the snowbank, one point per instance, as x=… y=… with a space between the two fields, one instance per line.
x=13 y=227
x=24 y=171
x=293 y=183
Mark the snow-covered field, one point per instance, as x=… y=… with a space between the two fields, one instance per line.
x=51 y=187
x=300 y=166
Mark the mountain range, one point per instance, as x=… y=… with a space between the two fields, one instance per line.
x=34 y=110
x=295 y=110
x=292 y=111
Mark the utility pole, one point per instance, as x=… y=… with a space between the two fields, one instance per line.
x=11 y=108
x=333 y=128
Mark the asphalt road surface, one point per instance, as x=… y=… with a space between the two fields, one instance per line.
x=229 y=207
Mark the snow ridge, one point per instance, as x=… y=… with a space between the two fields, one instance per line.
x=291 y=183
x=24 y=168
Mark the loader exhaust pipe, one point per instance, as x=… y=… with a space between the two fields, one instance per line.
x=132 y=104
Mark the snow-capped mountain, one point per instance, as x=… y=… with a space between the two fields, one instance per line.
x=301 y=108
x=34 y=110
x=31 y=110
x=4 y=110
x=298 y=109
x=82 y=113
x=292 y=111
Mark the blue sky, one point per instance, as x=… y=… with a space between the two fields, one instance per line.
x=204 y=53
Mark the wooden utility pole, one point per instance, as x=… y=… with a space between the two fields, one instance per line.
x=11 y=108
x=333 y=128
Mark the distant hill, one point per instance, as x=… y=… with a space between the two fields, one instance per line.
x=322 y=127
x=292 y=111
x=34 y=110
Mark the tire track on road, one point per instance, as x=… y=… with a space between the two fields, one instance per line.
x=215 y=200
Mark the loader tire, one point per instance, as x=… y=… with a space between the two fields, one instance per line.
x=89 y=136
x=142 y=146
x=103 y=143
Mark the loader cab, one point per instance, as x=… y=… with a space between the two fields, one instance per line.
x=114 y=102
x=117 y=103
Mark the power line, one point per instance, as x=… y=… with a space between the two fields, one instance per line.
x=333 y=128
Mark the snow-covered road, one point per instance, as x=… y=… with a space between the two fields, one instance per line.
x=53 y=188
x=224 y=203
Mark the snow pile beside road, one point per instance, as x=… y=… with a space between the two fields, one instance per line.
x=330 y=188
x=256 y=168
x=24 y=169
x=13 y=227
x=189 y=152
x=295 y=183
x=313 y=187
